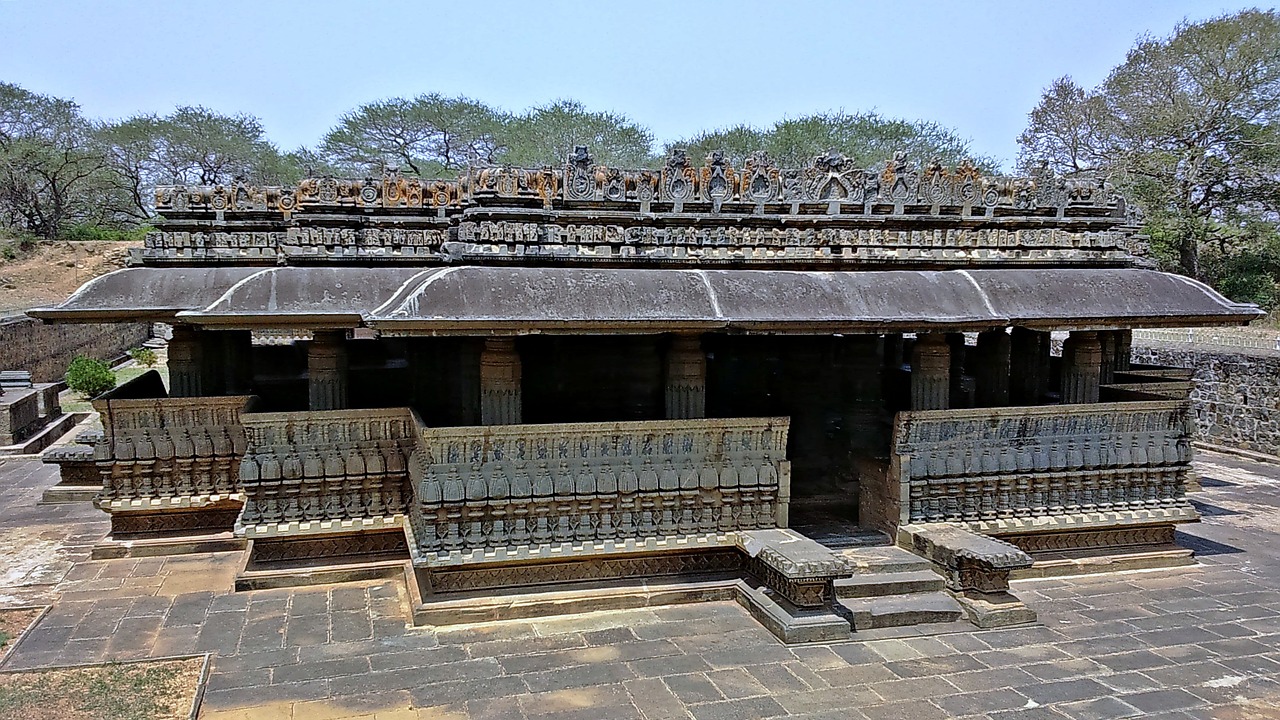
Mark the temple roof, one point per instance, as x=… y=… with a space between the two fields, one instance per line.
x=519 y=300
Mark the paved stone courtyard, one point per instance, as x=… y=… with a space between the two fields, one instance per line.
x=1193 y=642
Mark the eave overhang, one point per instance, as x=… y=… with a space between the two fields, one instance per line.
x=469 y=300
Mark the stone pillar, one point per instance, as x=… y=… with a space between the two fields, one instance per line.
x=1124 y=348
x=1029 y=357
x=186 y=363
x=930 y=373
x=1081 y=368
x=893 y=346
x=327 y=370
x=237 y=362
x=686 y=378
x=991 y=368
x=863 y=367
x=500 y=400
x=955 y=341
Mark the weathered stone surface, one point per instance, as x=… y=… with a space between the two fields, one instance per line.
x=161 y=451
x=526 y=489
x=995 y=468
x=1236 y=399
x=332 y=471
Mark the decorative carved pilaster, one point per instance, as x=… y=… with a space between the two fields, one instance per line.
x=500 y=397
x=930 y=373
x=991 y=369
x=1081 y=368
x=686 y=384
x=1029 y=359
x=327 y=370
x=186 y=366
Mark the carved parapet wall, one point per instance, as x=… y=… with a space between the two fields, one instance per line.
x=1006 y=471
x=170 y=465
x=331 y=471
x=544 y=491
x=829 y=212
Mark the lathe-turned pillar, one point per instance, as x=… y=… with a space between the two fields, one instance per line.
x=686 y=378
x=931 y=373
x=991 y=368
x=1081 y=367
x=1029 y=361
x=186 y=362
x=327 y=370
x=501 y=401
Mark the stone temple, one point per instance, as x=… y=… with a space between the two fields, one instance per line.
x=531 y=391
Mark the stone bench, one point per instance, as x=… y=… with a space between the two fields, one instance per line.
x=797 y=599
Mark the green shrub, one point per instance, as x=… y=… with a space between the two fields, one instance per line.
x=102 y=233
x=90 y=377
x=144 y=356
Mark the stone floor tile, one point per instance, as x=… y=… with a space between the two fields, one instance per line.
x=654 y=699
x=604 y=698
x=1103 y=708
x=1064 y=691
x=736 y=683
x=907 y=710
x=693 y=688
x=755 y=707
x=1163 y=700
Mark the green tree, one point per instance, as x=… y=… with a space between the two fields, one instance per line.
x=53 y=172
x=1186 y=126
x=866 y=138
x=429 y=136
x=545 y=135
x=197 y=146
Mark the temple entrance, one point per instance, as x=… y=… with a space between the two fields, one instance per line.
x=831 y=388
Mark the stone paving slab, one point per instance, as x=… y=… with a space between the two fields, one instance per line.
x=1196 y=642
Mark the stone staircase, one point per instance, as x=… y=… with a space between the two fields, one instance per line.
x=893 y=587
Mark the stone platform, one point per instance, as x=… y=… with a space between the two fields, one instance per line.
x=1195 y=642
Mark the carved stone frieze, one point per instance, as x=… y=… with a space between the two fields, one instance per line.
x=707 y=207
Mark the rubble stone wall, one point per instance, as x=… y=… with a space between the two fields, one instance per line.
x=46 y=350
x=1237 y=394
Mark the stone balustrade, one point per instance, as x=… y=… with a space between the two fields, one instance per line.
x=325 y=471
x=533 y=490
x=163 y=450
x=1000 y=470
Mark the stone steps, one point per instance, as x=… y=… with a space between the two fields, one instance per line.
x=884 y=559
x=900 y=610
x=889 y=583
x=892 y=587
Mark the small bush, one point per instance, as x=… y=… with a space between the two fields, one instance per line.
x=90 y=377
x=144 y=356
x=88 y=232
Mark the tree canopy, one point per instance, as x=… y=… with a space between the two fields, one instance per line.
x=866 y=138
x=1187 y=126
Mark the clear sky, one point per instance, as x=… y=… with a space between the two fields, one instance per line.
x=678 y=67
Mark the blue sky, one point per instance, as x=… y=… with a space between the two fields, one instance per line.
x=677 y=67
